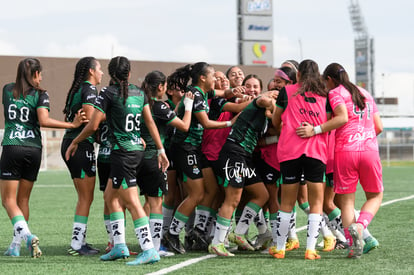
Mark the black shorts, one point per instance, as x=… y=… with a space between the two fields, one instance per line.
x=215 y=165
x=104 y=169
x=151 y=180
x=268 y=174
x=170 y=159
x=124 y=168
x=83 y=162
x=188 y=160
x=237 y=167
x=20 y=162
x=329 y=180
x=312 y=169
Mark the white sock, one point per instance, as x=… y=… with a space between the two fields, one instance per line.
x=260 y=222
x=78 y=235
x=292 y=228
x=325 y=231
x=314 y=224
x=156 y=229
x=143 y=233
x=107 y=222
x=282 y=228
x=222 y=227
x=202 y=214
x=21 y=231
x=118 y=227
x=249 y=212
x=167 y=214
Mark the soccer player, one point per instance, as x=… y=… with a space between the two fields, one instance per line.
x=26 y=109
x=82 y=166
x=151 y=180
x=186 y=146
x=239 y=173
x=123 y=105
x=302 y=103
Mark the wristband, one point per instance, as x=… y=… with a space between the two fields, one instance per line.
x=188 y=104
x=228 y=123
x=160 y=151
x=271 y=140
x=317 y=129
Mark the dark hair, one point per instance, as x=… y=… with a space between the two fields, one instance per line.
x=81 y=75
x=26 y=70
x=291 y=73
x=340 y=77
x=150 y=84
x=255 y=77
x=180 y=78
x=310 y=78
x=118 y=69
x=292 y=62
x=229 y=69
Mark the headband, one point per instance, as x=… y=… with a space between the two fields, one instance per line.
x=282 y=74
x=293 y=66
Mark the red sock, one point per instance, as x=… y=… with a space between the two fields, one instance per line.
x=365 y=218
x=348 y=236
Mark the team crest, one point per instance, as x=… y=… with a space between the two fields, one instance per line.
x=196 y=170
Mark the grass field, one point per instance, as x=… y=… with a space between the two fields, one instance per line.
x=52 y=208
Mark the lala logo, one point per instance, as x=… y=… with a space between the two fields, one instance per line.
x=259 y=49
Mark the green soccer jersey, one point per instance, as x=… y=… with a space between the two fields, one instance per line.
x=195 y=132
x=86 y=95
x=162 y=115
x=20 y=117
x=124 y=119
x=249 y=126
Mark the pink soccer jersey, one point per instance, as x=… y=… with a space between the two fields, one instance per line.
x=359 y=133
x=269 y=155
x=309 y=108
x=214 y=139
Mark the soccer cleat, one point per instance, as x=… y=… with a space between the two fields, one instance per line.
x=117 y=252
x=85 y=250
x=329 y=243
x=263 y=241
x=13 y=250
x=241 y=241
x=173 y=243
x=199 y=241
x=220 y=250
x=33 y=246
x=311 y=254
x=341 y=245
x=278 y=254
x=370 y=244
x=91 y=249
x=149 y=256
x=355 y=250
x=165 y=253
x=292 y=244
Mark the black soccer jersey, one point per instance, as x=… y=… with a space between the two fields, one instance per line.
x=195 y=132
x=85 y=95
x=20 y=117
x=124 y=120
x=162 y=115
x=249 y=126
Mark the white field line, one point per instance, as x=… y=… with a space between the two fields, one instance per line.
x=196 y=260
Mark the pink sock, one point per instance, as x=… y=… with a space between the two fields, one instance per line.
x=365 y=218
x=348 y=236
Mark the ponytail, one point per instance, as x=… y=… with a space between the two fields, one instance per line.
x=340 y=77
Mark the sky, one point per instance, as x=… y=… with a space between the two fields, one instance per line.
x=204 y=30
